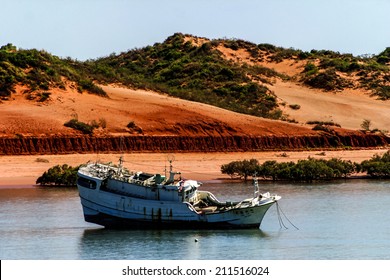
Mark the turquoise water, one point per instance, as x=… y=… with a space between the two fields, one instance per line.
x=336 y=220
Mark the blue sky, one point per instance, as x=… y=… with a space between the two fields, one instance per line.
x=84 y=29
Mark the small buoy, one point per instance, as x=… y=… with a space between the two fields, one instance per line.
x=196 y=240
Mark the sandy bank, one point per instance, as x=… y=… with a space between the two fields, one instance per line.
x=24 y=170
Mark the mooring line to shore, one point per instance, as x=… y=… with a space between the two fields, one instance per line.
x=280 y=213
x=281 y=223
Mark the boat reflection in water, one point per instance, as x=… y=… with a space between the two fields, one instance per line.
x=171 y=244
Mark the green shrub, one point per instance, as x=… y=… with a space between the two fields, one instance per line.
x=133 y=127
x=310 y=169
x=328 y=81
x=43 y=96
x=304 y=170
x=378 y=166
x=102 y=123
x=44 y=160
x=322 y=128
x=59 y=175
x=81 y=126
x=328 y=123
x=240 y=169
x=89 y=86
x=366 y=124
x=341 y=64
x=383 y=57
x=383 y=92
x=131 y=124
x=7 y=85
x=310 y=69
x=267 y=47
x=295 y=106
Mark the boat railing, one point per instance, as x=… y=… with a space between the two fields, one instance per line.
x=192 y=208
x=207 y=200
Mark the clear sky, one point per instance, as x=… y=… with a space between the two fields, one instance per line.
x=84 y=29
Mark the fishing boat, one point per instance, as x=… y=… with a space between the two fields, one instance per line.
x=114 y=197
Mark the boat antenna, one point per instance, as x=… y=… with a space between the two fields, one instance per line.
x=121 y=144
x=256 y=190
x=171 y=158
x=120 y=164
x=171 y=179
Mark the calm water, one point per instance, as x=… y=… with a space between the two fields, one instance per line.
x=338 y=220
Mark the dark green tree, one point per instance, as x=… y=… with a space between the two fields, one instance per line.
x=59 y=175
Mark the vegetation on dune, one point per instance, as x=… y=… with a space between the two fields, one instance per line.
x=328 y=123
x=40 y=71
x=328 y=80
x=133 y=127
x=86 y=128
x=295 y=106
x=333 y=71
x=81 y=126
x=200 y=72
x=366 y=125
x=197 y=73
x=384 y=57
x=328 y=70
x=195 y=69
x=309 y=170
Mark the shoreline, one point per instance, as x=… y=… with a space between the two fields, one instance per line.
x=25 y=169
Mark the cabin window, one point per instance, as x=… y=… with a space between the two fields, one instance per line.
x=86 y=183
x=187 y=194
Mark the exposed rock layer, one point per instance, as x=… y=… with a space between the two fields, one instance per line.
x=88 y=144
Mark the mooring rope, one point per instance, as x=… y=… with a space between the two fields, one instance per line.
x=280 y=213
x=281 y=223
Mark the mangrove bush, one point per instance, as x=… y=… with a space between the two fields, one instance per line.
x=59 y=175
x=308 y=170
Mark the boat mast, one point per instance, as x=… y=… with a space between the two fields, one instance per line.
x=172 y=174
x=120 y=165
x=121 y=157
x=256 y=191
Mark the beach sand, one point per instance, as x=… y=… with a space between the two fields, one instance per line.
x=24 y=170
